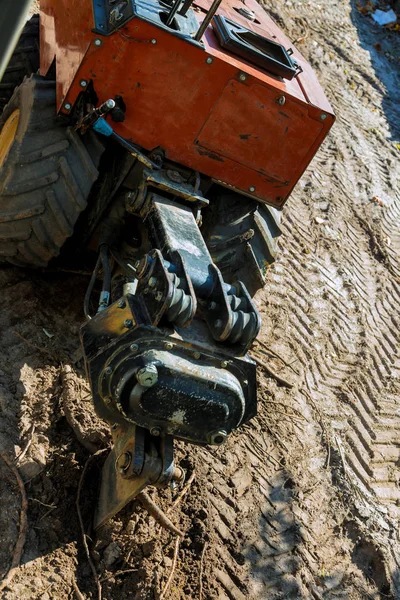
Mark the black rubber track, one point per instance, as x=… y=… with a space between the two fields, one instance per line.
x=24 y=61
x=46 y=178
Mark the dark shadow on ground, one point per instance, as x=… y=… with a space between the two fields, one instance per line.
x=383 y=46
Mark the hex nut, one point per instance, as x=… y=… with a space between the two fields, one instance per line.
x=83 y=83
x=134 y=347
x=252 y=188
x=121 y=304
x=97 y=42
x=281 y=100
x=323 y=117
x=168 y=345
x=156 y=431
x=224 y=364
x=196 y=355
x=209 y=60
x=67 y=106
x=128 y=323
x=147 y=376
x=218 y=437
x=108 y=370
x=242 y=76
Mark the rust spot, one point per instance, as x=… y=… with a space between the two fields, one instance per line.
x=245 y=136
x=205 y=152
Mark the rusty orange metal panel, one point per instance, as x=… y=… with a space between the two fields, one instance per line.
x=196 y=111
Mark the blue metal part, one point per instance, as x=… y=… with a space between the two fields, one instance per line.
x=101 y=126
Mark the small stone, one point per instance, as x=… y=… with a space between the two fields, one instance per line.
x=148 y=548
x=111 y=554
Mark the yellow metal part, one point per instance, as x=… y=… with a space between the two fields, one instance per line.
x=7 y=135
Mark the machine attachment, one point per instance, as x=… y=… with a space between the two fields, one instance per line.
x=169 y=360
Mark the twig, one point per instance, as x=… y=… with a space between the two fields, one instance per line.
x=23 y=524
x=201 y=571
x=322 y=423
x=38 y=348
x=157 y=514
x=121 y=572
x=78 y=510
x=68 y=398
x=77 y=591
x=270 y=351
x=28 y=445
x=171 y=575
x=272 y=373
x=184 y=491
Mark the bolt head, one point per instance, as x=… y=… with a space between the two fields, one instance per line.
x=323 y=117
x=196 y=355
x=169 y=345
x=159 y=296
x=281 y=100
x=97 y=42
x=67 y=106
x=152 y=282
x=224 y=364
x=212 y=306
x=108 y=371
x=134 y=347
x=121 y=304
x=242 y=76
x=154 y=41
x=209 y=60
x=252 y=188
x=128 y=323
x=83 y=83
x=147 y=376
x=156 y=431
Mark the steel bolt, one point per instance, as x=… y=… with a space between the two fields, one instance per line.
x=156 y=431
x=154 y=41
x=128 y=323
x=252 y=188
x=196 y=355
x=218 y=323
x=281 y=100
x=97 y=42
x=209 y=60
x=168 y=346
x=242 y=76
x=121 y=304
x=134 y=347
x=147 y=376
x=159 y=296
x=245 y=382
x=83 y=83
x=224 y=364
x=124 y=460
x=152 y=282
x=323 y=117
x=108 y=371
x=212 y=306
x=67 y=106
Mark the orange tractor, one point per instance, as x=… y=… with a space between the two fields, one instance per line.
x=166 y=135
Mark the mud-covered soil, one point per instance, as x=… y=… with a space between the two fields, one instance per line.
x=305 y=501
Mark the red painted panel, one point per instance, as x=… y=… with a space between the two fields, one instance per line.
x=172 y=94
